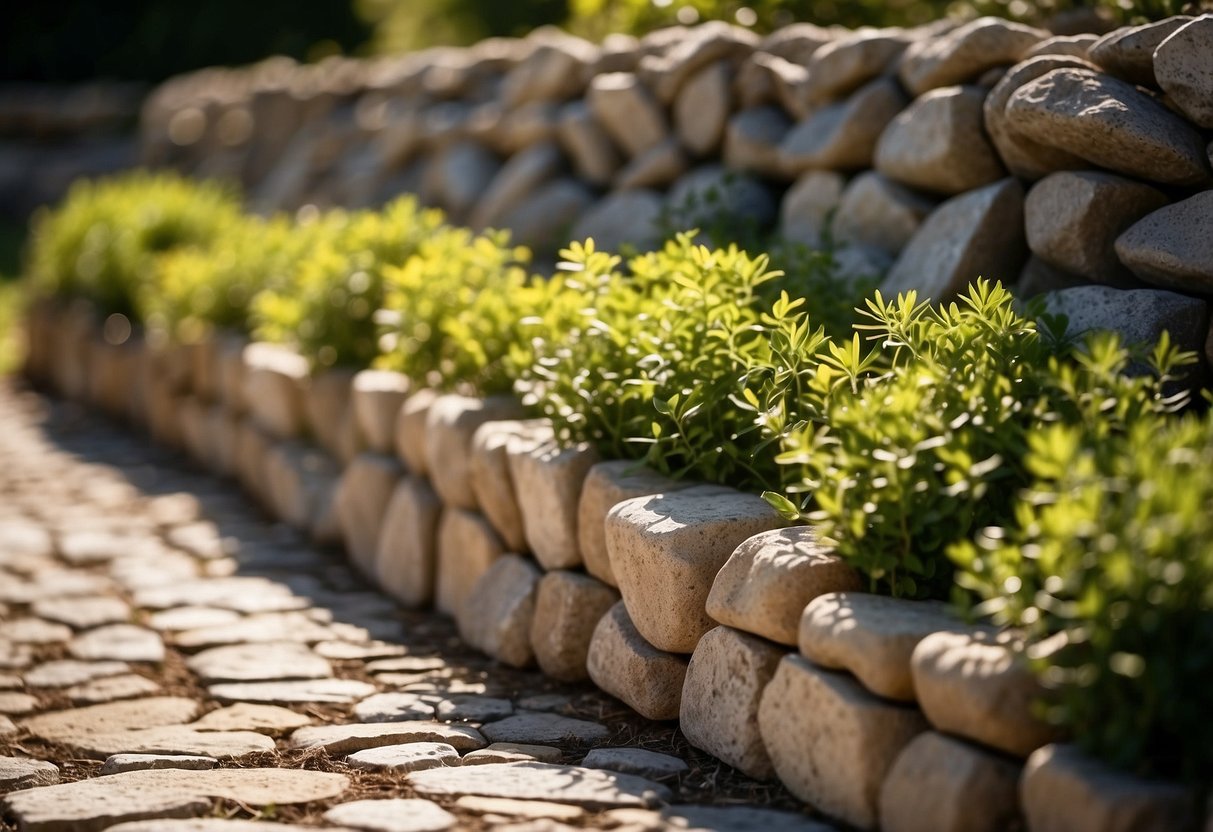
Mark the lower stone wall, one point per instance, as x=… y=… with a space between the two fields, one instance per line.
x=685 y=601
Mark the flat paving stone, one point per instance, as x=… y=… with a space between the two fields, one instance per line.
x=240 y=594
x=83 y=613
x=411 y=756
x=244 y=716
x=7 y=727
x=544 y=702
x=345 y=651
x=544 y=729
x=406 y=664
x=395 y=707
x=393 y=815
x=15 y=656
x=23 y=773
x=111 y=689
x=118 y=763
x=16 y=704
x=321 y=691
x=204 y=825
x=24 y=537
x=473 y=708
x=99 y=546
x=191 y=618
x=66 y=672
x=738 y=819
x=268 y=662
x=268 y=627
x=513 y=752
x=636 y=761
x=346 y=739
x=173 y=739
x=10 y=681
x=587 y=787
x=65 y=726
x=97 y=804
x=34 y=631
x=119 y=643
x=530 y=809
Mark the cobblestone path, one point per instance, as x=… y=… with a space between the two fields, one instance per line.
x=167 y=653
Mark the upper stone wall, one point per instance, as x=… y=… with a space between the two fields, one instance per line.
x=941 y=153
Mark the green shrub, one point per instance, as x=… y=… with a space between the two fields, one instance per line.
x=1111 y=555
x=102 y=242
x=326 y=307
x=453 y=310
x=924 y=440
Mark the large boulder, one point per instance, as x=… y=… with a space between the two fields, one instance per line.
x=1172 y=246
x=1110 y=123
x=1128 y=52
x=1138 y=315
x=962 y=55
x=1183 y=65
x=847 y=63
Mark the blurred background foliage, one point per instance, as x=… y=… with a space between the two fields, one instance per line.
x=149 y=40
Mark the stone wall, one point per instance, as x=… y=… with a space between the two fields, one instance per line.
x=687 y=602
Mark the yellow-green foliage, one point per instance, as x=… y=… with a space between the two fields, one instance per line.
x=326 y=305
x=103 y=241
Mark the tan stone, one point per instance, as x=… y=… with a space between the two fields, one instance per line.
x=941 y=784
x=491 y=479
x=512 y=752
x=627 y=667
x=362 y=499
x=939 y=143
x=298 y=480
x=876 y=212
x=1064 y=790
x=593 y=155
x=411 y=434
x=1075 y=46
x=977 y=234
x=568 y=607
x=765 y=584
x=551 y=477
x=376 y=397
x=702 y=107
x=407 y=552
x=450 y=424
x=592 y=788
x=963 y=54
x=1072 y=220
x=970 y=686
x=1172 y=247
x=843 y=136
x=231 y=372
x=496 y=615
x=525 y=171
x=847 y=63
x=666 y=549
x=346 y=739
x=1183 y=64
x=274 y=379
x=830 y=741
x=1110 y=123
x=719 y=712
x=808 y=205
x=327 y=402
x=606 y=484
x=1128 y=52
x=656 y=167
x=1024 y=157
x=627 y=111
x=467 y=547
x=707 y=43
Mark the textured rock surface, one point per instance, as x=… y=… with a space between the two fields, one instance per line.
x=362 y=498
x=876 y=212
x=568 y=607
x=347 y=739
x=406 y=553
x=376 y=397
x=592 y=788
x=626 y=666
x=496 y=615
x=450 y=424
x=1171 y=247
x=843 y=136
x=1183 y=67
x=551 y=477
x=392 y=815
x=1128 y=52
x=467 y=547
x=1139 y=315
x=965 y=53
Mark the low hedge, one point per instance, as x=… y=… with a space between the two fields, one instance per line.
x=965 y=450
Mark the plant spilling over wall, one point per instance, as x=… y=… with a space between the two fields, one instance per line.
x=966 y=449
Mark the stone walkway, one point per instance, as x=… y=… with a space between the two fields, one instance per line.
x=166 y=653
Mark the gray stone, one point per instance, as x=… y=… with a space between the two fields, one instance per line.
x=622 y=218
x=1073 y=219
x=1183 y=66
x=376 y=397
x=977 y=234
x=849 y=62
x=504 y=807
x=110 y=689
x=459 y=175
x=65 y=672
x=392 y=815
x=551 y=477
x=118 y=763
x=627 y=667
x=1128 y=52
x=512 y=752
x=82 y=613
x=627 y=111
x=472 y=707
x=335 y=691
x=972 y=687
x=413 y=756
x=407 y=552
x=411 y=436
x=1138 y=315
x=265 y=719
x=1074 y=46
x=707 y=43
x=752 y=139
x=702 y=107
x=939 y=144
x=656 y=167
x=808 y=206
x=666 y=549
x=519 y=177
x=765 y=584
x=1110 y=123
x=451 y=422
x=962 y=55
x=638 y=761
x=544 y=729
x=100 y=803
x=941 y=784
x=830 y=741
x=797 y=41
x=739 y=819
x=552 y=72
x=346 y=739
x=467 y=548
x=593 y=155
x=21 y=773
x=1026 y=158
x=1171 y=247
x=591 y=788
x=362 y=499
x=1065 y=790
x=395 y=707
x=711 y=196
x=843 y=136
x=258 y=662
